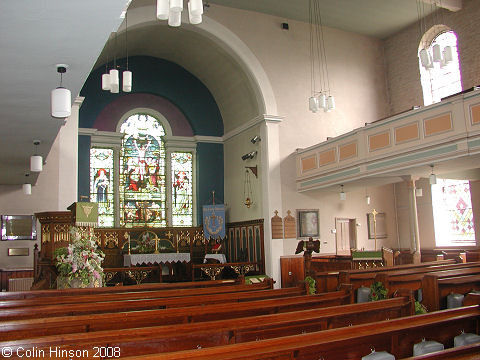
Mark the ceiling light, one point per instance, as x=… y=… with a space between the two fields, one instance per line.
x=27 y=187
x=320 y=86
x=61 y=98
x=433 y=177
x=172 y=11
x=368 y=199
x=36 y=161
x=343 y=195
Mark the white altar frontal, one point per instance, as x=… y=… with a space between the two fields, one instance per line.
x=162 y=258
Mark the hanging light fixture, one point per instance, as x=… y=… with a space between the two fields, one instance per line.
x=320 y=85
x=36 y=161
x=171 y=10
x=247 y=190
x=432 y=54
x=367 y=197
x=61 y=98
x=127 y=74
x=433 y=177
x=27 y=187
x=343 y=195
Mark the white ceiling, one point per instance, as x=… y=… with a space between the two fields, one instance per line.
x=37 y=35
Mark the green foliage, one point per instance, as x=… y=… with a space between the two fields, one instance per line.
x=311 y=285
x=377 y=291
x=420 y=308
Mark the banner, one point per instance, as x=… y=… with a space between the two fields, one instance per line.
x=214 y=221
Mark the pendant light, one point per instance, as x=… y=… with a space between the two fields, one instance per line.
x=320 y=85
x=27 y=187
x=127 y=74
x=433 y=177
x=36 y=161
x=343 y=195
x=61 y=98
x=171 y=10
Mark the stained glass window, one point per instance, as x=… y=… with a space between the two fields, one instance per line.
x=452 y=213
x=101 y=184
x=142 y=173
x=181 y=165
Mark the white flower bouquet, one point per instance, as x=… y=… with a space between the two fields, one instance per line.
x=81 y=261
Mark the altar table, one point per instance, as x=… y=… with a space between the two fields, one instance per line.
x=162 y=258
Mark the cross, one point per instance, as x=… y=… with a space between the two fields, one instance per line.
x=374 y=213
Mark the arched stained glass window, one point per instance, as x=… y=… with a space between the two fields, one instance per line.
x=142 y=173
x=182 y=173
x=440 y=68
x=101 y=184
x=452 y=213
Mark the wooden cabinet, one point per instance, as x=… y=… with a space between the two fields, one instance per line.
x=293 y=270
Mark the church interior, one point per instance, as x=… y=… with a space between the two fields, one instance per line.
x=240 y=163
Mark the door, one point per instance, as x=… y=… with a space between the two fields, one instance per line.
x=346 y=235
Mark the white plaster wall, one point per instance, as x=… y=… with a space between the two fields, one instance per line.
x=234 y=169
x=56 y=188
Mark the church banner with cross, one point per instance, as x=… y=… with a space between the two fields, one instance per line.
x=214 y=221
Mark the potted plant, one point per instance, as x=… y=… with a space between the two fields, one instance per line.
x=80 y=264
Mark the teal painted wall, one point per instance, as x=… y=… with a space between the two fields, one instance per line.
x=209 y=161
x=172 y=82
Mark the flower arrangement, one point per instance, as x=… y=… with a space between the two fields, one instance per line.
x=378 y=291
x=81 y=261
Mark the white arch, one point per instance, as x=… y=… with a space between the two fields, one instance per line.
x=227 y=40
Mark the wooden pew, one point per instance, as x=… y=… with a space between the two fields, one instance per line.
x=394 y=279
x=436 y=287
x=55 y=325
x=397 y=336
x=138 y=295
x=406 y=279
x=171 y=301
x=366 y=277
x=468 y=352
x=221 y=332
x=117 y=289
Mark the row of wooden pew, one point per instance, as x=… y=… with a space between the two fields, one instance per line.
x=221 y=321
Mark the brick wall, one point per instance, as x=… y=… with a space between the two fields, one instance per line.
x=401 y=49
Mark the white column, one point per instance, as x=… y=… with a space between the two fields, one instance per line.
x=68 y=158
x=271 y=194
x=413 y=217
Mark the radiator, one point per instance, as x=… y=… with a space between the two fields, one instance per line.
x=20 y=284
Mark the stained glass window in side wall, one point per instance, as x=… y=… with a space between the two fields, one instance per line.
x=182 y=190
x=142 y=173
x=452 y=213
x=101 y=184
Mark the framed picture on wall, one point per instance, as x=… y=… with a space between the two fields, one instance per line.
x=308 y=224
x=18 y=227
x=380 y=227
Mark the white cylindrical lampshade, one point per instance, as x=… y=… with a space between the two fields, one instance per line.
x=433 y=179
x=114 y=81
x=448 y=54
x=176 y=6
x=322 y=101
x=36 y=163
x=194 y=19
x=425 y=59
x=106 y=81
x=127 y=81
x=313 y=104
x=61 y=102
x=195 y=7
x=162 y=9
x=368 y=199
x=330 y=103
x=343 y=196
x=27 y=189
x=175 y=18
x=437 y=53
